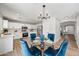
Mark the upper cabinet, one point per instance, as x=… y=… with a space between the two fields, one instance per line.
x=0 y=23
x=5 y=23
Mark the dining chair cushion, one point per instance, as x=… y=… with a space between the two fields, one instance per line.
x=32 y=36
x=50 y=52
x=63 y=48
x=25 y=48
x=51 y=36
x=57 y=52
x=35 y=51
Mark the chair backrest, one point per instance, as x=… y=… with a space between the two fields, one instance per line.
x=63 y=48
x=25 y=48
x=51 y=36
x=32 y=36
x=24 y=34
x=42 y=37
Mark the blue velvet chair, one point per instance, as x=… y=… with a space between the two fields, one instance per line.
x=26 y=51
x=57 y=52
x=25 y=48
x=32 y=36
x=51 y=36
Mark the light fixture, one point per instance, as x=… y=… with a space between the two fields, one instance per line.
x=44 y=14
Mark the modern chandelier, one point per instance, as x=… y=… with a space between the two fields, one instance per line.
x=44 y=14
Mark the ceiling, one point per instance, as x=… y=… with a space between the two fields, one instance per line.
x=28 y=12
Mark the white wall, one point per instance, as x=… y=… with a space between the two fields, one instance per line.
x=52 y=26
x=48 y=26
x=77 y=31
x=57 y=29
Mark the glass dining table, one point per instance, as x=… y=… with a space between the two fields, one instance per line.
x=42 y=45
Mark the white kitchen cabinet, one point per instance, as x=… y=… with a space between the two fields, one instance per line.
x=6 y=44
x=5 y=23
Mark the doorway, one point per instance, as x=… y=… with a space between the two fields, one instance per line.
x=69 y=28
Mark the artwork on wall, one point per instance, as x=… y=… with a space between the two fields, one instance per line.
x=24 y=28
